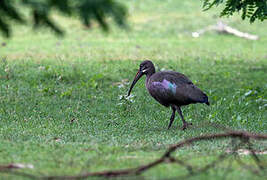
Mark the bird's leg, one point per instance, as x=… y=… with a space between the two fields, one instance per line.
x=172 y=117
x=185 y=124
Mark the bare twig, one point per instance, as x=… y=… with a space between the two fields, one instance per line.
x=189 y=168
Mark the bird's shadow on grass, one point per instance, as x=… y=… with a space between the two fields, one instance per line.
x=165 y=129
x=196 y=128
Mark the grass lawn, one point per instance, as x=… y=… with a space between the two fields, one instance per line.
x=61 y=105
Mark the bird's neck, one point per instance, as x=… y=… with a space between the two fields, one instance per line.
x=149 y=74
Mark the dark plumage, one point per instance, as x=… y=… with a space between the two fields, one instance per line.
x=170 y=88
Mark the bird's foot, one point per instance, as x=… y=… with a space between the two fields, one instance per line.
x=186 y=124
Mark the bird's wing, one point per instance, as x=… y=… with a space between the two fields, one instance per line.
x=163 y=86
x=161 y=92
x=172 y=76
x=179 y=79
x=174 y=87
x=189 y=93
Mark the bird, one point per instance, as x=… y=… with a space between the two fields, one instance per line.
x=170 y=89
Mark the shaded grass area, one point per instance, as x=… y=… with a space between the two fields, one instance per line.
x=61 y=100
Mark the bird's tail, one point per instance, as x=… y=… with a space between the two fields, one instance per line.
x=202 y=98
x=197 y=96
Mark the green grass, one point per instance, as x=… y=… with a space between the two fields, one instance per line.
x=60 y=105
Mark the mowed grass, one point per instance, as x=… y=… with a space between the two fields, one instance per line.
x=62 y=104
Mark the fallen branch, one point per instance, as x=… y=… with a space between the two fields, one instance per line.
x=16 y=166
x=224 y=28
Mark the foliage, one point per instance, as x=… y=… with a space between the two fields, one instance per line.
x=12 y=11
x=41 y=10
x=252 y=9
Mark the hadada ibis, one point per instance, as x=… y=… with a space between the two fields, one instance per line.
x=169 y=88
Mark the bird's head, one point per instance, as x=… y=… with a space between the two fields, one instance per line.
x=147 y=68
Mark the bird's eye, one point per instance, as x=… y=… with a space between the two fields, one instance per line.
x=144 y=69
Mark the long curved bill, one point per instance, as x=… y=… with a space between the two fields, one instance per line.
x=138 y=75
